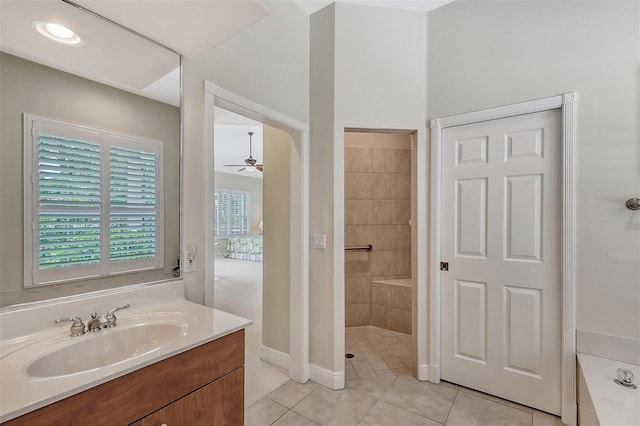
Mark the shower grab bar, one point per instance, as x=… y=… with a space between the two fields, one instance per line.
x=367 y=248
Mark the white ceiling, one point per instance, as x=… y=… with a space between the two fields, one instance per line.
x=188 y=27
x=312 y=6
x=231 y=141
x=113 y=56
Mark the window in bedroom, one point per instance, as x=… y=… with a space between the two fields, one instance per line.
x=93 y=203
x=232 y=213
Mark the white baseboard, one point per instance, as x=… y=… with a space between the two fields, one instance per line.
x=434 y=373
x=570 y=414
x=331 y=379
x=423 y=372
x=274 y=357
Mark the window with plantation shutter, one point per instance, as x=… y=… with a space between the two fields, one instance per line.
x=232 y=213
x=93 y=203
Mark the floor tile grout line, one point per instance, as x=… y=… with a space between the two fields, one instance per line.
x=412 y=412
x=484 y=396
x=451 y=408
x=288 y=409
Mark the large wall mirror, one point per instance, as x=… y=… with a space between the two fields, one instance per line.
x=112 y=84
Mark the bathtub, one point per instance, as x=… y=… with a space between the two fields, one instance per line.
x=602 y=402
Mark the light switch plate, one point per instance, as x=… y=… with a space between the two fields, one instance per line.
x=320 y=241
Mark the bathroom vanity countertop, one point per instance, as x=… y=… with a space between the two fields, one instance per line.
x=21 y=393
x=614 y=404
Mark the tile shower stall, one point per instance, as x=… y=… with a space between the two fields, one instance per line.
x=378 y=283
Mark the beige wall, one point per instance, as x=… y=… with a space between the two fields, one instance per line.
x=368 y=71
x=508 y=52
x=377 y=212
x=277 y=146
x=267 y=63
x=324 y=311
x=36 y=89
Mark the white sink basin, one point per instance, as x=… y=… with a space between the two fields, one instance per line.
x=95 y=350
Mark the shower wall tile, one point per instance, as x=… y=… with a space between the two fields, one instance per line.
x=403 y=267
x=381 y=316
x=385 y=160
x=378 y=190
x=383 y=263
x=404 y=187
x=403 y=212
x=358 y=290
x=403 y=237
x=384 y=212
x=358 y=212
x=400 y=297
x=385 y=186
x=384 y=237
x=359 y=186
x=380 y=294
x=357 y=264
x=357 y=314
x=404 y=161
x=358 y=160
x=400 y=320
x=356 y=236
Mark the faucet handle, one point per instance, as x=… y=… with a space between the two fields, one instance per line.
x=111 y=317
x=77 y=328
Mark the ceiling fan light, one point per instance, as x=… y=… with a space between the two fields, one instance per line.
x=250 y=168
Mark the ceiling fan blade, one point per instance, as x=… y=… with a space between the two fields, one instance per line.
x=235 y=165
x=259 y=167
x=244 y=168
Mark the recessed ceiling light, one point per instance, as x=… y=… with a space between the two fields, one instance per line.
x=57 y=32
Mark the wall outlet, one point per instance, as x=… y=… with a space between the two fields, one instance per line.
x=189 y=265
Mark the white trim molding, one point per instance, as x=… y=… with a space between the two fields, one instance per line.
x=328 y=378
x=423 y=372
x=275 y=357
x=567 y=103
x=215 y=96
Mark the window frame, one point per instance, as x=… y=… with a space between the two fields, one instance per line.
x=33 y=126
x=216 y=224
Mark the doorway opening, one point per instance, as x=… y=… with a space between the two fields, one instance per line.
x=379 y=280
x=257 y=234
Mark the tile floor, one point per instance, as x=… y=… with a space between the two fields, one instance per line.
x=381 y=391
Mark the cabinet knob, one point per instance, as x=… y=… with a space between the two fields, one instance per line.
x=164 y=424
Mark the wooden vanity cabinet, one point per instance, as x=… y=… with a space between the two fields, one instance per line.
x=202 y=386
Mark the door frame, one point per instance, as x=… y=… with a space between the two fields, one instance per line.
x=297 y=361
x=567 y=103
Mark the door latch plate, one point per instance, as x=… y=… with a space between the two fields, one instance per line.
x=444 y=266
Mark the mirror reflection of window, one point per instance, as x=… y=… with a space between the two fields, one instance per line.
x=93 y=203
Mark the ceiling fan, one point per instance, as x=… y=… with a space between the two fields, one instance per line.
x=249 y=163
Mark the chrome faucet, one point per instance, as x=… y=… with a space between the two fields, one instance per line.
x=77 y=328
x=111 y=317
x=96 y=322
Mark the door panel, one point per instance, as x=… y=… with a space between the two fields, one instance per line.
x=501 y=236
x=471 y=321
x=471 y=215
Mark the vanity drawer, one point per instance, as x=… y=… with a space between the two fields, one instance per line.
x=132 y=397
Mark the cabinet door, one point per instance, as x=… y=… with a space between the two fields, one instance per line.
x=219 y=403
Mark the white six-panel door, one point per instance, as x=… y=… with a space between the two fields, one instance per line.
x=501 y=237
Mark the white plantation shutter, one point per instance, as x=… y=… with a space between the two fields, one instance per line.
x=69 y=202
x=93 y=203
x=232 y=213
x=133 y=186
